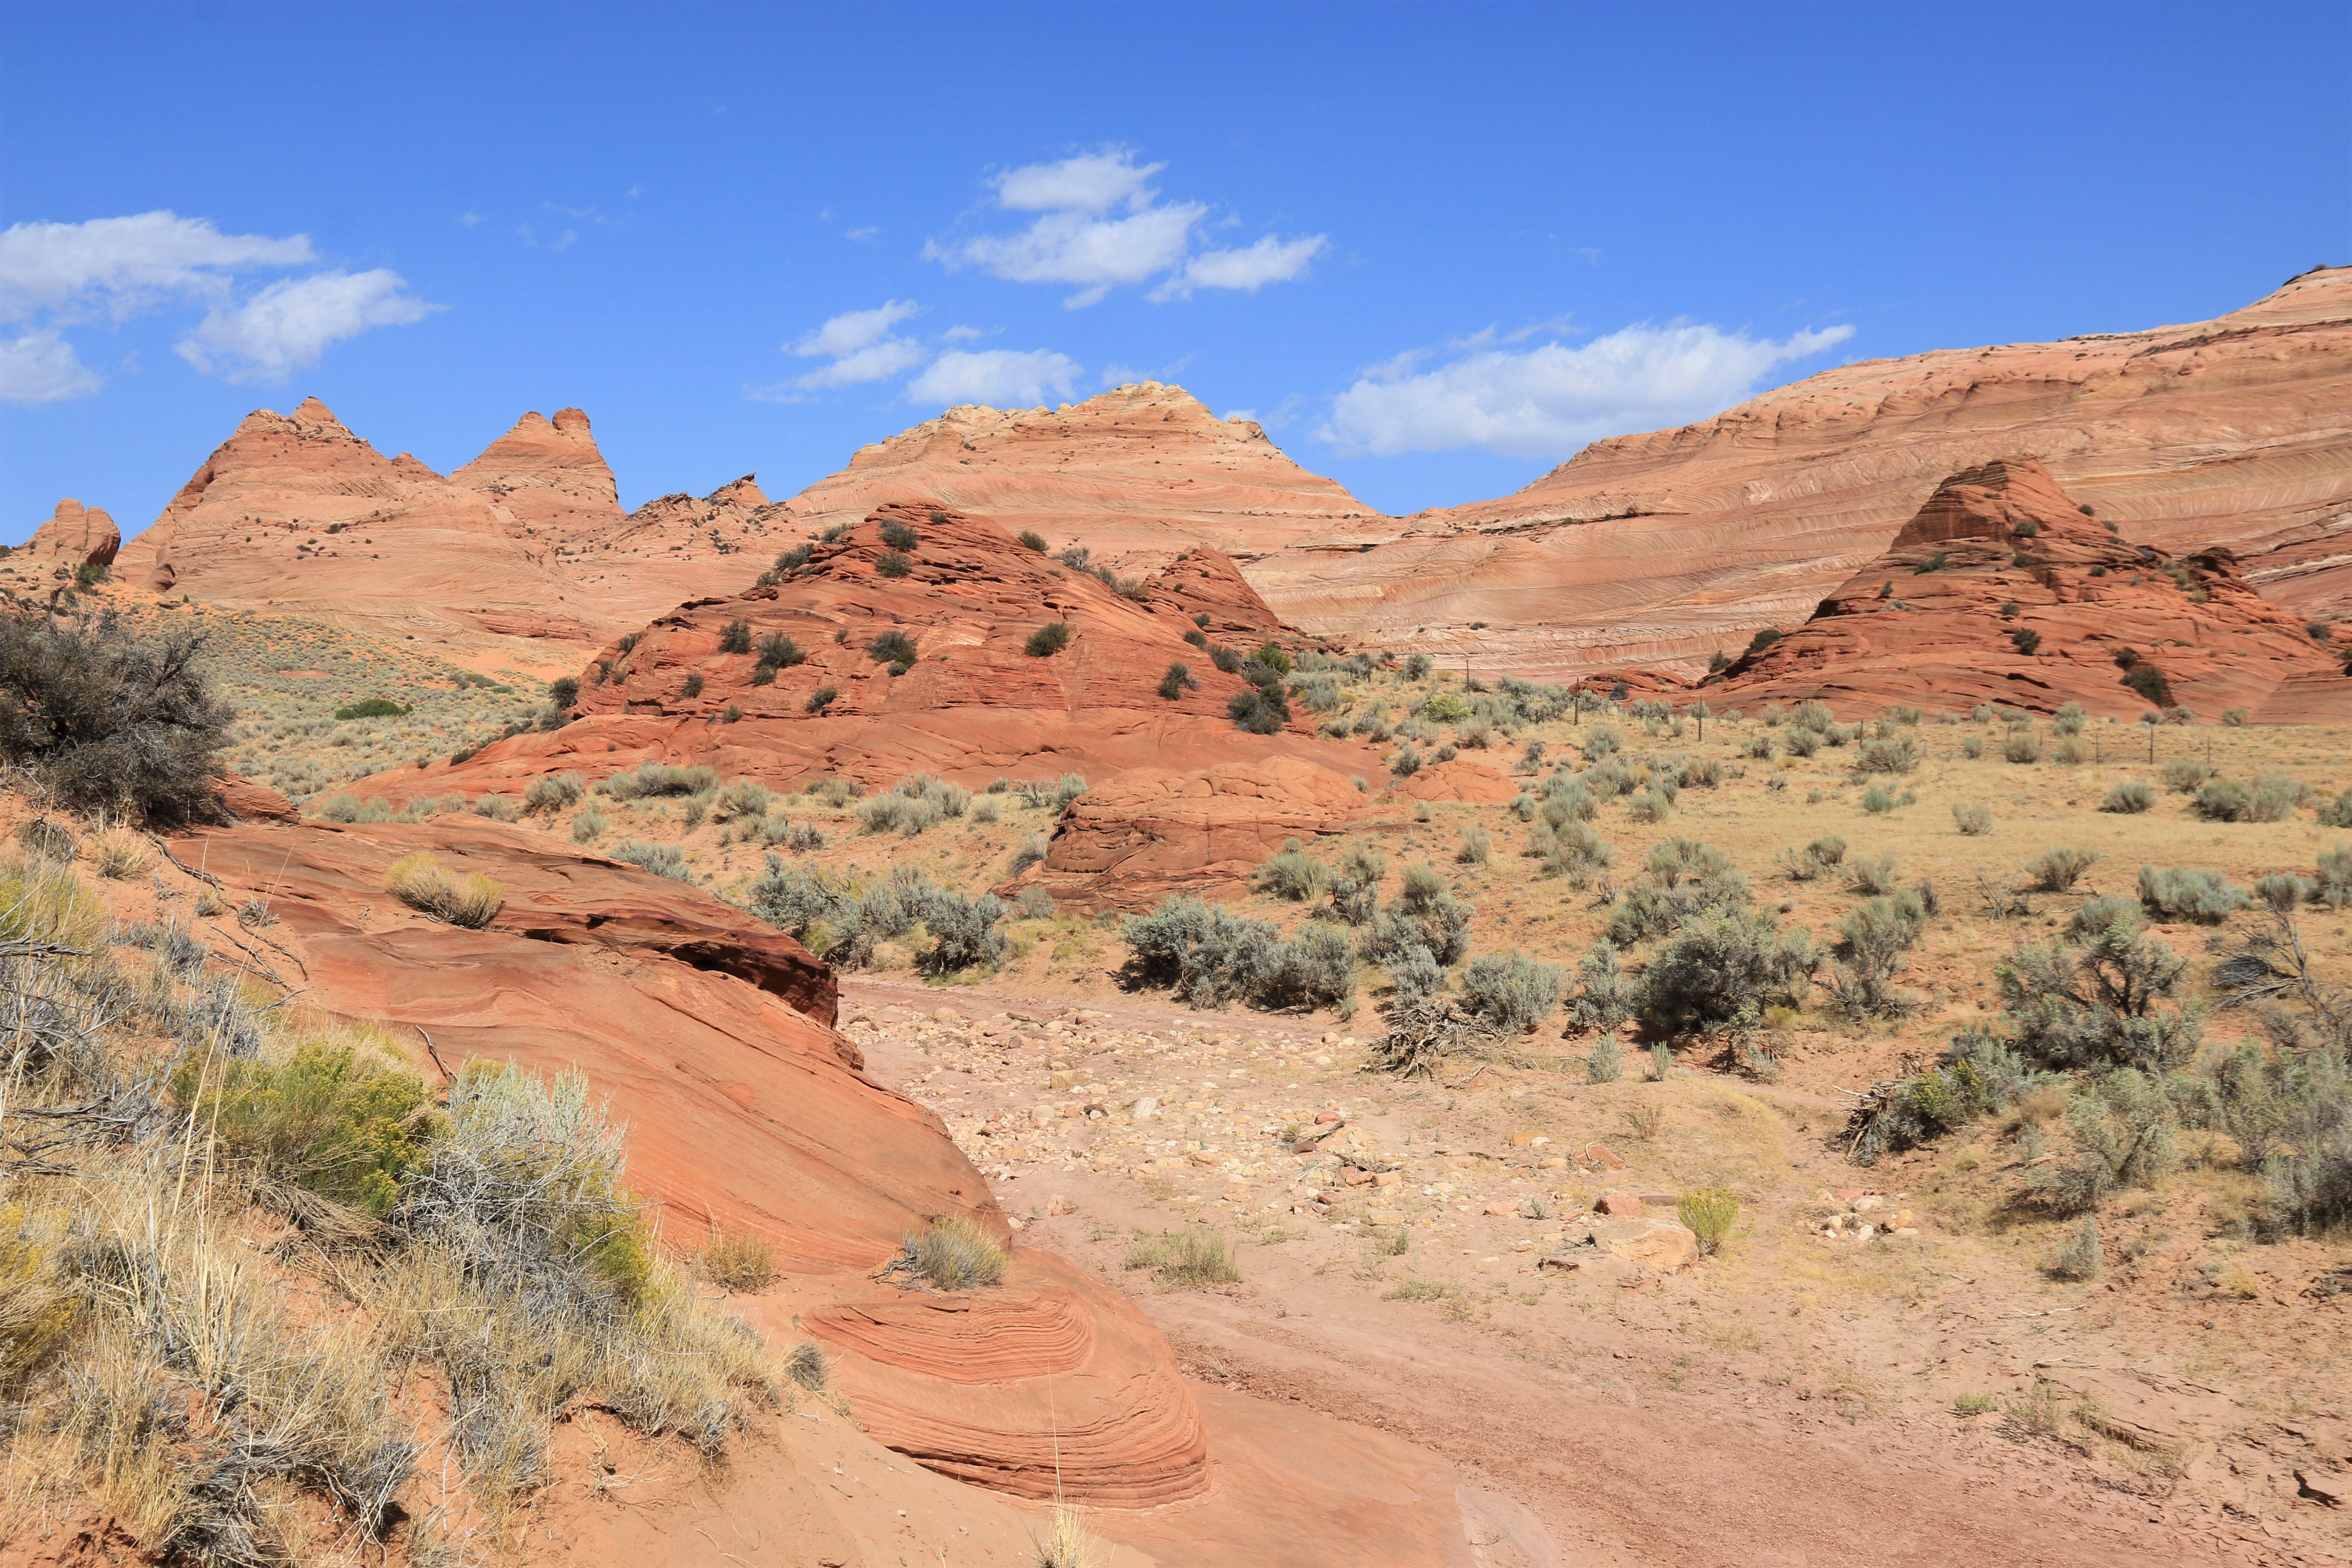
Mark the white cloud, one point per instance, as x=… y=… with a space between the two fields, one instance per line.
x=869 y=232
x=42 y=367
x=1080 y=237
x=56 y=274
x=123 y=265
x=961 y=335
x=853 y=330
x=1007 y=378
x=1546 y=402
x=1093 y=182
x=289 y=324
x=876 y=362
x=1270 y=260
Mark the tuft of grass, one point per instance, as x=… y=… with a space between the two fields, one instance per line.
x=739 y=1261
x=2129 y=798
x=1975 y=1403
x=1709 y=1214
x=1971 y=818
x=1185 y=1257
x=1065 y=1544
x=1417 y=1290
x=2057 y=871
x=423 y=883
x=953 y=1253
x=120 y=854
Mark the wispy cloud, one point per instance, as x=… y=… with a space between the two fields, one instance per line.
x=55 y=276
x=1101 y=224
x=290 y=323
x=1547 y=401
x=1004 y=377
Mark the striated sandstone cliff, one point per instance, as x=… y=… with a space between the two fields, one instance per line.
x=1663 y=547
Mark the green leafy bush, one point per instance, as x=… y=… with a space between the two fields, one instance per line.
x=2129 y=798
x=735 y=637
x=899 y=535
x=2057 y=871
x=372 y=708
x=327 y=1118
x=110 y=719
x=2088 y=999
x=1047 y=640
x=1513 y=992
x=1292 y=874
x=2177 y=893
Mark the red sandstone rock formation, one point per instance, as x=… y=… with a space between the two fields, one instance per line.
x=549 y=474
x=295 y=513
x=2002 y=590
x=1138 y=472
x=1132 y=842
x=1661 y=548
x=674 y=548
x=972 y=705
x=1463 y=778
x=74 y=536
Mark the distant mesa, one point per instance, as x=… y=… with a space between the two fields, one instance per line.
x=2002 y=589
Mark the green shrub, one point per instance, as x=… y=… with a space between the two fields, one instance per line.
x=1261 y=710
x=890 y=564
x=1355 y=886
x=2336 y=813
x=659 y=779
x=110 y=719
x=1873 y=940
x=2283 y=891
x=1980 y=1074
x=2088 y=999
x=1512 y=993
x=420 y=881
x=1445 y=707
x=892 y=647
x=1889 y=755
x=1047 y=640
x=965 y=933
x=1872 y=878
x=2335 y=878
x=1292 y=875
x=2057 y=871
x=1724 y=967
x=2129 y=798
x=553 y=792
x=1972 y=747
x=2026 y=640
x=741 y=1261
x=2077 y=1257
x=2178 y=893
x=1605 y=1063
x=661 y=859
x=1605 y=996
x=1877 y=800
x=1709 y=1214
x=898 y=534
x=2022 y=745
x=735 y=637
x=373 y=708
x=1971 y=818
x=1176 y=681
x=2149 y=682
x=2070 y=719
x=1477 y=846
x=778 y=652
x=327 y=1120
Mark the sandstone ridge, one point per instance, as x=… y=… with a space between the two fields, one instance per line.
x=1663 y=547
x=2001 y=589
x=74 y=536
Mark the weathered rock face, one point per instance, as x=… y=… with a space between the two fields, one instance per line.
x=74 y=536
x=1463 y=778
x=549 y=474
x=674 y=548
x=296 y=513
x=1203 y=586
x=711 y=1037
x=1663 y=547
x=972 y=704
x=1135 y=475
x=1130 y=843
x=2001 y=590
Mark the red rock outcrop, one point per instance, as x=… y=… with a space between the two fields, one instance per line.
x=1146 y=833
x=296 y=514
x=2001 y=590
x=1661 y=548
x=74 y=536
x=675 y=548
x=550 y=476
x=974 y=704
x=1463 y=778
x=1134 y=474
x=1203 y=586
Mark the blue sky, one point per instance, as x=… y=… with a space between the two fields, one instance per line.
x=1435 y=249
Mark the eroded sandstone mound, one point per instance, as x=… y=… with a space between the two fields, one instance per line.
x=74 y=536
x=1667 y=546
x=840 y=668
x=1138 y=471
x=295 y=513
x=550 y=475
x=2002 y=589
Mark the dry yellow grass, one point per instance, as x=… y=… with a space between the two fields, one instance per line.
x=424 y=884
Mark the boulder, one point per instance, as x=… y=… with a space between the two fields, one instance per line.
x=1463 y=779
x=1658 y=1243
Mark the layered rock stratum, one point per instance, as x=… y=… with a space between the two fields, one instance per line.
x=1140 y=470
x=836 y=668
x=2002 y=589
x=1665 y=547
